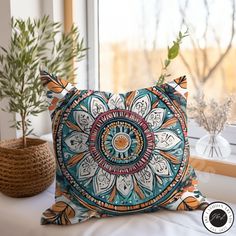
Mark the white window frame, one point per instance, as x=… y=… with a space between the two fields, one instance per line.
x=85 y=15
x=93 y=44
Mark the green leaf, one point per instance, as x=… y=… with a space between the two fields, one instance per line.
x=173 y=51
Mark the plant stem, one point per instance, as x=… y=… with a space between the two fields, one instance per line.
x=172 y=53
x=23 y=130
x=23 y=117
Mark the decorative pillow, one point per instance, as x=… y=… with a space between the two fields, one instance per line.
x=119 y=153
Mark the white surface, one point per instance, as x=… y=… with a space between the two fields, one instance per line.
x=217 y=186
x=21 y=217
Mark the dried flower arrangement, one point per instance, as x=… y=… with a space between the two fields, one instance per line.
x=212 y=115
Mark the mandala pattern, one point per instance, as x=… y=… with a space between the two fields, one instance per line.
x=119 y=153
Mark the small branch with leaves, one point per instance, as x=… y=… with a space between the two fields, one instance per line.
x=172 y=53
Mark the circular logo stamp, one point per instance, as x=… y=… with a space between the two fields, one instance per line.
x=218 y=217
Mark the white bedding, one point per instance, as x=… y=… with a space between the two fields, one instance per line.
x=21 y=217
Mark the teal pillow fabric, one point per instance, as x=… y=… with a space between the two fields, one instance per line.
x=119 y=153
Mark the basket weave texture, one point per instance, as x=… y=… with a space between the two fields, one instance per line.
x=26 y=171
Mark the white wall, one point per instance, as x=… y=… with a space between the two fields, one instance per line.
x=24 y=9
x=35 y=9
x=5 y=15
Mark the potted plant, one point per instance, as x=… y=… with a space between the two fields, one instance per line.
x=26 y=165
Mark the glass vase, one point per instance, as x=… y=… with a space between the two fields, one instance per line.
x=213 y=146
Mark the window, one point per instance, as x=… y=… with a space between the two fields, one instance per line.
x=134 y=35
x=127 y=41
x=133 y=40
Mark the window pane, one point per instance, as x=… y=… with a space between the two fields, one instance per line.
x=134 y=35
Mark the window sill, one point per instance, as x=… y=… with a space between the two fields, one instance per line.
x=225 y=167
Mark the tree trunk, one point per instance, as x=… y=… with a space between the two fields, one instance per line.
x=23 y=131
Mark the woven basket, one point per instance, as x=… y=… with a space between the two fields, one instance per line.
x=26 y=171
